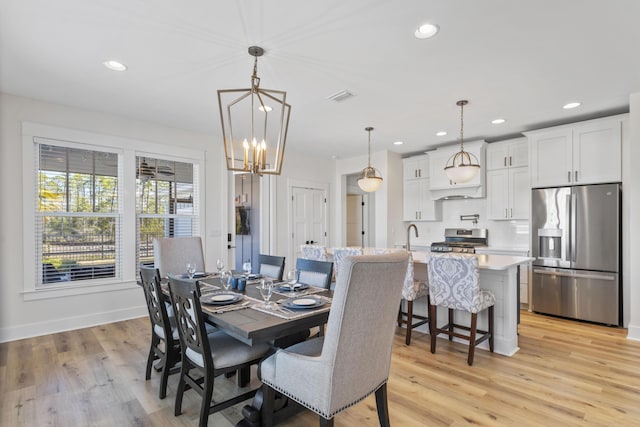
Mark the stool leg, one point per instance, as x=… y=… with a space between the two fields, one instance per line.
x=472 y=338
x=451 y=324
x=491 y=329
x=407 y=339
x=433 y=325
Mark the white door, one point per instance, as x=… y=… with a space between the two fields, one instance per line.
x=355 y=229
x=309 y=218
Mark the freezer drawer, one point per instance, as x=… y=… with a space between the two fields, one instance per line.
x=584 y=295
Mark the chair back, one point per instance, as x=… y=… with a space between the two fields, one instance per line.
x=158 y=313
x=339 y=254
x=313 y=252
x=314 y=273
x=171 y=254
x=272 y=266
x=361 y=326
x=185 y=298
x=413 y=288
x=453 y=281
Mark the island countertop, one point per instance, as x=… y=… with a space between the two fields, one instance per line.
x=485 y=261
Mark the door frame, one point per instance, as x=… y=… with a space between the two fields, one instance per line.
x=313 y=185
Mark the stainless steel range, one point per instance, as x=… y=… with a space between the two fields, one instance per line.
x=461 y=240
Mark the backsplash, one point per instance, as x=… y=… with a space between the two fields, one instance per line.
x=502 y=234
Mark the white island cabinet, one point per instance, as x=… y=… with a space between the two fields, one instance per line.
x=588 y=152
x=498 y=273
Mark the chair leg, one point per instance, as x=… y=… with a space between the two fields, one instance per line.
x=400 y=315
x=433 y=324
x=491 y=329
x=451 y=324
x=472 y=338
x=244 y=376
x=325 y=422
x=180 y=391
x=383 y=408
x=206 y=401
x=152 y=356
x=166 y=367
x=268 y=397
x=407 y=339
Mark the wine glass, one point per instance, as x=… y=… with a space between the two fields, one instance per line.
x=191 y=269
x=220 y=265
x=292 y=278
x=266 y=289
x=246 y=267
x=225 y=279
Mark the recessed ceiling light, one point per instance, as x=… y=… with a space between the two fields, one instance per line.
x=498 y=121
x=114 y=65
x=266 y=108
x=441 y=133
x=426 y=31
x=571 y=105
x=398 y=143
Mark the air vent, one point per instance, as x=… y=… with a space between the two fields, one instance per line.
x=340 y=96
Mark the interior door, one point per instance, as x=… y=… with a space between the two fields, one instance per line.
x=355 y=230
x=309 y=217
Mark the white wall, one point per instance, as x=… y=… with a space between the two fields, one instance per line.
x=631 y=226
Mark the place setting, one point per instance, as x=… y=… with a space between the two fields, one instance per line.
x=293 y=288
x=226 y=300
x=289 y=308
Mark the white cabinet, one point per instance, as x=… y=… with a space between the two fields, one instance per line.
x=588 y=152
x=417 y=202
x=441 y=183
x=524 y=268
x=508 y=180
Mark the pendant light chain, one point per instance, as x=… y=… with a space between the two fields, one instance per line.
x=369 y=147
x=461 y=126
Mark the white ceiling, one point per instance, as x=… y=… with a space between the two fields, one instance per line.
x=517 y=60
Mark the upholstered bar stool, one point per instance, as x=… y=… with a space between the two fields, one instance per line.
x=414 y=287
x=313 y=252
x=339 y=254
x=453 y=283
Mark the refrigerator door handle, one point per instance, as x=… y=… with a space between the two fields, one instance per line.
x=566 y=242
x=574 y=275
x=574 y=215
x=552 y=273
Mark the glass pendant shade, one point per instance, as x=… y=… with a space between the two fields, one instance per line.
x=462 y=166
x=369 y=179
x=254 y=122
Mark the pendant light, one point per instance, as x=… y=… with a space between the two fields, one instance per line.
x=255 y=122
x=369 y=179
x=462 y=166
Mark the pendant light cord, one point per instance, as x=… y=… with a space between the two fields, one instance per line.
x=461 y=103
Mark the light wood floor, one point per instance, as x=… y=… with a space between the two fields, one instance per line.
x=566 y=373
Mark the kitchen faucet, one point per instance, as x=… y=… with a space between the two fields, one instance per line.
x=409 y=235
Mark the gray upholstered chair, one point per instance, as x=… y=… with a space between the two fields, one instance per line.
x=314 y=273
x=415 y=286
x=171 y=254
x=453 y=283
x=339 y=254
x=352 y=360
x=205 y=357
x=272 y=266
x=165 y=343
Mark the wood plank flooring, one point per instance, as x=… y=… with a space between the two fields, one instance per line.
x=566 y=373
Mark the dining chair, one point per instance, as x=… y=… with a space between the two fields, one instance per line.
x=314 y=273
x=453 y=283
x=171 y=254
x=314 y=252
x=272 y=266
x=415 y=286
x=339 y=254
x=328 y=374
x=165 y=342
x=205 y=357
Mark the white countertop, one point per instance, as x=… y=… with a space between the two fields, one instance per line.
x=486 y=261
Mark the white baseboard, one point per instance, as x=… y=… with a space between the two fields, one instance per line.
x=633 y=333
x=70 y=323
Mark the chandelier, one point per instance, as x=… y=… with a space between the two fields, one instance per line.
x=369 y=179
x=462 y=166
x=254 y=125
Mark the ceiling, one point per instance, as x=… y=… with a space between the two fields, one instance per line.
x=520 y=61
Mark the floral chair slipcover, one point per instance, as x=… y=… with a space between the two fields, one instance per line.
x=316 y=253
x=339 y=254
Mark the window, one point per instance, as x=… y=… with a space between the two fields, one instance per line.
x=165 y=202
x=77 y=220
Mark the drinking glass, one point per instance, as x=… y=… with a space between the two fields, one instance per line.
x=292 y=278
x=246 y=267
x=266 y=289
x=191 y=269
x=225 y=279
x=220 y=265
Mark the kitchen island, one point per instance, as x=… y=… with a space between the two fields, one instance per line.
x=499 y=274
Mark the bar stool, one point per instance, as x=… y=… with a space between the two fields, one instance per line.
x=412 y=289
x=453 y=283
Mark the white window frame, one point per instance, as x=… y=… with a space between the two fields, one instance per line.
x=128 y=149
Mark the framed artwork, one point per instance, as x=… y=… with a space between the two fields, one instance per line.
x=243 y=227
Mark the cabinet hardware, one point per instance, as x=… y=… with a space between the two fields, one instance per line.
x=511 y=211
x=569 y=176
x=510 y=161
x=506 y=213
x=505 y=161
x=576 y=176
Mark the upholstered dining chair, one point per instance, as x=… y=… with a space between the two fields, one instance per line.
x=453 y=283
x=339 y=254
x=165 y=342
x=205 y=357
x=314 y=273
x=272 y=266
x=171 y=254
x=331 y=373
x=314 y=252
x=415 y=286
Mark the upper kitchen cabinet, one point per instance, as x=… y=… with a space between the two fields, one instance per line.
x=418 y=204
x=588 y=152
x=442 y=186
x=508 y=180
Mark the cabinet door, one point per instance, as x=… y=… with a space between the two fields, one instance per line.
x=519 y=193
x=498 y=194
x=518 y=155
x=410 y=167
x=551 y=158
x=597 y=152
x=438 y=178
x=412 y=200
x=428 y=208
x=497 y=155
x=439 y=158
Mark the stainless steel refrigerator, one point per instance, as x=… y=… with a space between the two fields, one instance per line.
x=576 y=244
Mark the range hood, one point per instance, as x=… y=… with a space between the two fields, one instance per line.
x=476 y=192
x=440 y=185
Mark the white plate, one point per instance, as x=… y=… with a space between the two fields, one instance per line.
x=304 y=301
x=222 y=298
